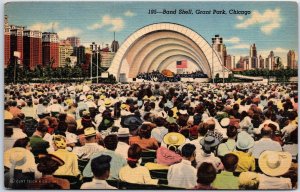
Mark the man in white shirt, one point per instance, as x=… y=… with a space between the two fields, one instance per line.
x=55 y=107
x=90 y=147
x=265 y=143
x=183 y=174
x=123 y=140
x=209 y=143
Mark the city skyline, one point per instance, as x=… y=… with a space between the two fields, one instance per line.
x=272 y=27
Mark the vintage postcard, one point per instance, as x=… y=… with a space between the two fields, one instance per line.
x=151 y=95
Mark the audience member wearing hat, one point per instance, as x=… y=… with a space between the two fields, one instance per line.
x=209 y=143
x=133 y=172
x=117 y=161
x=48 y=164
x=183 y=174
x=274 y=164
x=132 y=122
x=123 y=142
x=100 y=167
x=229 y=145
x=248 y=181
x=71 y=160
x=173 y=141
x=246 y=160
x=91 y=146
x=107 y=121
x=21 y=159
x=144 y=139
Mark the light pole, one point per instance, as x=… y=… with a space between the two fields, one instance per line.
x=223 y=70
x=212 y=60
x=92 y=54
x=97 y=63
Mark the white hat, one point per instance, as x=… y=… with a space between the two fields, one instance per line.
x=19 y=158
x=225 y=122
x=274 y=163
x=123 y=132
x=244 y=141
x=182 y=112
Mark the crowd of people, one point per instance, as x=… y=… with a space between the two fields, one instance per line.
x=197 y=136
x=160 y=77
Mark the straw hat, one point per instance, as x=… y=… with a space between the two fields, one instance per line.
x=152 y=98
x=173 y=138
x=102 y=97
x=107 y=102
x=225 y=122
x=90 y=97
x=274 y=163
x=123 y=106
x=89 y=131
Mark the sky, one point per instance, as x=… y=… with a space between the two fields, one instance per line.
x=271 y=25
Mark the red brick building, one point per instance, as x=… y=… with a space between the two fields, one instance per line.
x=50 y=46
x=32 y=48
x=6 y=42
x=16 y=42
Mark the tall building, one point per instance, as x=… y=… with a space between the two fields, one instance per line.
x=6 y=42
x=270 y=61
x=114 y=45
x=74 y=41
x=253 y=57
x=65 y=51
x=229 y=62
x=261 y=62
x=32 y=48
x=224 y=55
x=50 y=46
x=291 y=60
x=79 y=52
x=16 y=41
x=219 y=47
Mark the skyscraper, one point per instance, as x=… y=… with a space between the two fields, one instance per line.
x=16 y=41
x=219 y=47
x=270 y=61
x=261 y=62
x=114 y=45
x=6 y=42
x=50 y=46
x=65 y=51
x=291 y=59
x=79 y=52
x=229 y=62
x=32 y=48
x=74 y=41
x=253 y=57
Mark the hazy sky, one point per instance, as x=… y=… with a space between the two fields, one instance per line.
x=271 y=25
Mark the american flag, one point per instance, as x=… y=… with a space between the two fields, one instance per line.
x=181 y=64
